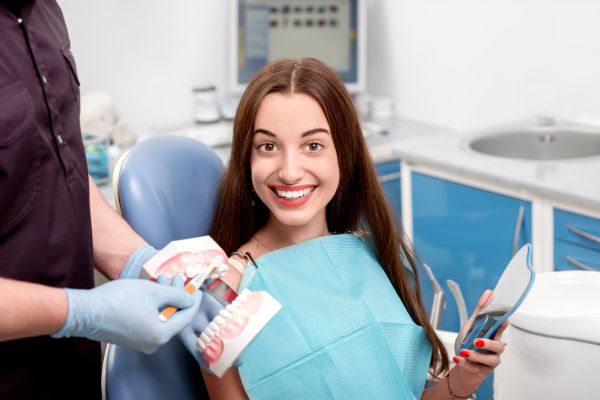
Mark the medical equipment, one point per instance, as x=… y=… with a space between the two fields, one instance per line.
x=196 y=259
x=230 y=332
x=509 y=293
x=332 y=31
x=165 y=188
x=439 y=299
x=553 y=345
x=459 y=299
x=190 y=288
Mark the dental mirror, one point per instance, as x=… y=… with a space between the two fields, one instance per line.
x=509 y=293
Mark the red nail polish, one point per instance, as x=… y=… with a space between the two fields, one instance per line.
x=455 y=359
x=478 y=343
x=464 y=353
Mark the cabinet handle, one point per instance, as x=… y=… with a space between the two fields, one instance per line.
x=579 y=264
x=389 y=177
x=518 y=227
x=583 y=234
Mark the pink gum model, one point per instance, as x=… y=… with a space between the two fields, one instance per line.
x=230 y=332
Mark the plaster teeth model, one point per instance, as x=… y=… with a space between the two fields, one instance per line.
x=191 y=258
x=230 y=332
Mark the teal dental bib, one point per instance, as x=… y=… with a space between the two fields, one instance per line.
x=342 y=333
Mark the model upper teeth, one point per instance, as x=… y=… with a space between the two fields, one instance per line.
x=296 y=194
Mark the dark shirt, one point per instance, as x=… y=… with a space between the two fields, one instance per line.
x=45 y=227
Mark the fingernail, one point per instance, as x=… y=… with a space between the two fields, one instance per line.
x=455 y=359
x=478 y=343
x=464 y=353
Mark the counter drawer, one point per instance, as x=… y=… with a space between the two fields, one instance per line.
x=577 y=229
x=568 y=256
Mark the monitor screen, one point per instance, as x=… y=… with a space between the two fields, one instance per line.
x=333 y=31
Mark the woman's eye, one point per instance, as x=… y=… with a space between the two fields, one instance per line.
x=266 y=147
x=314 y=146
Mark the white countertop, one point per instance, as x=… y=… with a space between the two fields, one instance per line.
x=574 y=181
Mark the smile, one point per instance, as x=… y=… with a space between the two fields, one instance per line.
x=295 y=196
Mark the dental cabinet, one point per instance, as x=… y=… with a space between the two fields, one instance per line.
x=465 y=234
x=576 y=241
x=389 y=176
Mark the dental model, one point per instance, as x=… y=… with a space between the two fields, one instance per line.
x=190 y=258
x=196 y=259
x=230 y=332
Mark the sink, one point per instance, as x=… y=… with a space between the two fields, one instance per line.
x=545 y=141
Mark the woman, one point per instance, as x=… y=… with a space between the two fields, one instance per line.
x=300 y=180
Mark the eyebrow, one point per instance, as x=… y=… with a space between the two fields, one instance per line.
x=304 y=134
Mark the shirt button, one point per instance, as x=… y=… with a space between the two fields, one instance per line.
x=20 y=21
x=59 y=139
x=44 y=79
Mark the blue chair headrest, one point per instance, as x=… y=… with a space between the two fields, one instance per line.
x=168 y=187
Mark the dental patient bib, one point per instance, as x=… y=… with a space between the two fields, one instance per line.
x=342 y=332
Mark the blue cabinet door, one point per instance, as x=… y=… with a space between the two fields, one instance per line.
x=464 y=234
x=389 y=178
x=576 y=241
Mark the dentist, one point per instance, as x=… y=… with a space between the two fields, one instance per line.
x=55 y=226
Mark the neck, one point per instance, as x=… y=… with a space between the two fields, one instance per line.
x=278 y=235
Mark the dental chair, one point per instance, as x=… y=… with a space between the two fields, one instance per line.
x=165 y=188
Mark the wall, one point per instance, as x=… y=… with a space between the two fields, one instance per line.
x=148 y=54
x=461 y=64
x=471 y=63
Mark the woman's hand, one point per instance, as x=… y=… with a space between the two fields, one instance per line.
x=472 y=367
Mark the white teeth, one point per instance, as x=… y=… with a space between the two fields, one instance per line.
x=220 y=320
x=225 y=314
x=209 y=332
x=201 y=345
x=293 y=195
x=205 y=338
x=214 y=327
x=231 y=308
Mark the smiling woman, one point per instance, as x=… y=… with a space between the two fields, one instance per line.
x=351 y=326
x=294 y=164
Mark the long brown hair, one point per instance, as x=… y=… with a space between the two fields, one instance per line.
x=359 y=203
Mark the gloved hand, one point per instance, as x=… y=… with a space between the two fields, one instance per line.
x=209 y=308
x=125 y=312
x=134 y=264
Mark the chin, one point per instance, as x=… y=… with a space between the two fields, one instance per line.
x=294 y=220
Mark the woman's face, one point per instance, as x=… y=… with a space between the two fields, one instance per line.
x=294 y=164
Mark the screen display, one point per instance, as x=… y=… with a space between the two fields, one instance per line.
x=272 y=29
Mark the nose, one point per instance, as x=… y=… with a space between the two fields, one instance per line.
x=291 y=169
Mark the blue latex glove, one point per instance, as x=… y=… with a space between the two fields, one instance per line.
x=209 y=308
x=134 y=264
x=125 y=312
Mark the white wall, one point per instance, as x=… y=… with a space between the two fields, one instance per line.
x=148 y=54
x=461 y=64
x=471 y=63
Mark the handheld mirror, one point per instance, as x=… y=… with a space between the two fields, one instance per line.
x=509 y=293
